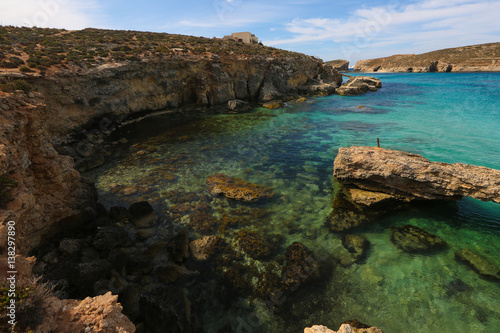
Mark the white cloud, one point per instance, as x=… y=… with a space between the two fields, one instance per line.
x=430 y=24
x=69 y=14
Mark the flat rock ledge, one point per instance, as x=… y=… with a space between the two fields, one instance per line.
x=237 y=188
x=357 y=85
x=407 y=176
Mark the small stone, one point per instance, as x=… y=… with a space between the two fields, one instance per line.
x=5 y=107
x=123 y=140
x=31 y=94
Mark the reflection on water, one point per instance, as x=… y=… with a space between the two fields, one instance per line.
x=292 y=150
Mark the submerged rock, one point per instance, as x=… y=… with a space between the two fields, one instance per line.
x=358 y=85
x=346 y=215
x=257 y=245
x=237 y=188
x=301 y=267
x=356 y=245
x=413 y=239
x=202 y=248
x=479 y=264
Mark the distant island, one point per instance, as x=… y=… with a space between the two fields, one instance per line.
x=474 y=58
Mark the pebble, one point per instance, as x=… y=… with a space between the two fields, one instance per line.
x=5 y=107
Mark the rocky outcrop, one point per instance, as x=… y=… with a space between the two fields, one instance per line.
x=237 y=188
x=93 y=314
x=49 y=196
x=339 y=64
x=478 y=263
x=415 y=240
x=344 y=328
x=474 y=58
x=408 y=176
x=357 y=85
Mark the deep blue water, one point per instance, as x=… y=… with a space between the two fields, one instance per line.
x=446 y=117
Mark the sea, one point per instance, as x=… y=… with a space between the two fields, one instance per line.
x=445 y=117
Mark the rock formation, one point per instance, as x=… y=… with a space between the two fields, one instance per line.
x=339 y=64
x=357 y=85
x=408 y=176
x=93 y=314
x=474 y=58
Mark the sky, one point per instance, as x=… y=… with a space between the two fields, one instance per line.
x=351 y=30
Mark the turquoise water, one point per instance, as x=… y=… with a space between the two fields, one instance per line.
x=447 y=117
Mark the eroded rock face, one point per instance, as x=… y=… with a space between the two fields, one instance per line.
x=479 y=264
x=50 y=196
x=93 y=314
x=237 y=188
x=358 y=85
x=412 y=176
x=414 y=240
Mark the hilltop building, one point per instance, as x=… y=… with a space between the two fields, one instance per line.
x=244 y=37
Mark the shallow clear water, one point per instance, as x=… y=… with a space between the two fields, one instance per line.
x=447 y=117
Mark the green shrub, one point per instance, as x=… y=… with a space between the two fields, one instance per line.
x=24 y=69
x=30 y=295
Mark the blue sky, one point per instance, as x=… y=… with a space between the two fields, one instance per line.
x=351 y=30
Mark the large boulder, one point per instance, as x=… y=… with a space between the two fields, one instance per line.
x=478 y=263
x=92 y=314
x=413 y=239
x=411 y=176
x=237 y=188
x=358 y=85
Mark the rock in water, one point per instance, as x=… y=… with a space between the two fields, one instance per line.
x=301 y=267
x=413 y=239
x=356 y=245
x=479 y=264
x=238 y=105
x=237 y=188
x=358 y=85
x=413 y=176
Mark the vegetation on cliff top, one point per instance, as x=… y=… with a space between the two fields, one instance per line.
x=41 y=50
x=467 y=54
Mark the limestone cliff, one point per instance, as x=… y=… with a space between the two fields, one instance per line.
x=474 y=58
x=124 y=88
x=49 y=195
x=413 y=176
